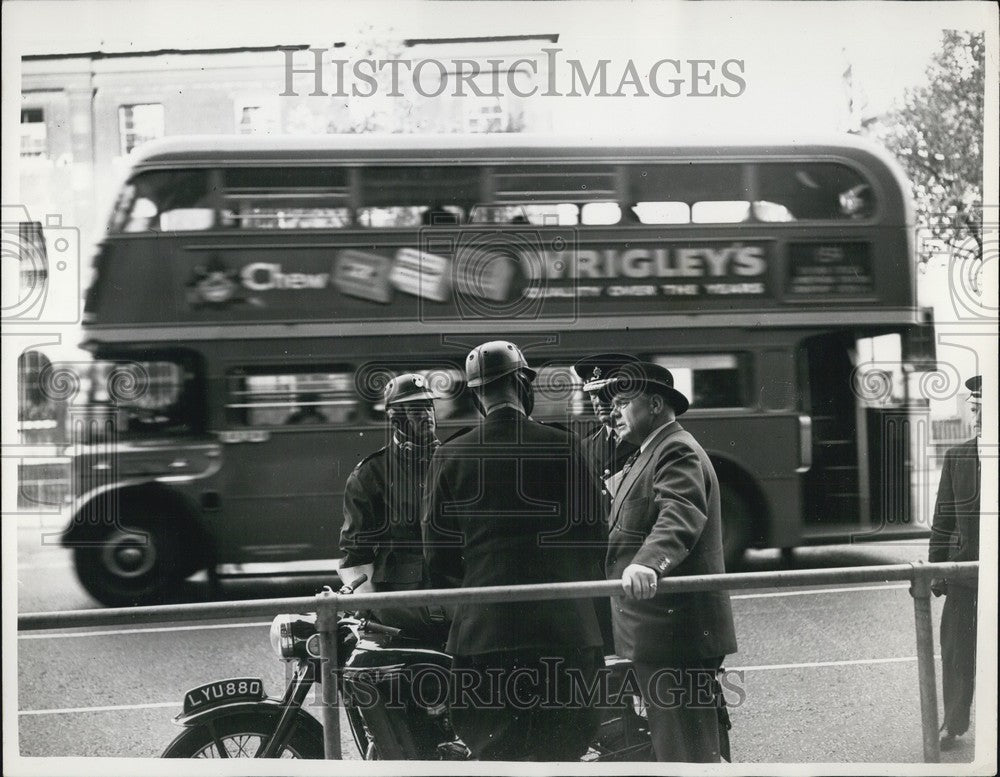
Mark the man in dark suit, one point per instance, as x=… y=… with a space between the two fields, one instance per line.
x=503 y=507
x=955 y=537
x=666 y=520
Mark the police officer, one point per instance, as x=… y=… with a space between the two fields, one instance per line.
x=604 y=452
x=955 y=537
x=504 y=507
x=382 y=501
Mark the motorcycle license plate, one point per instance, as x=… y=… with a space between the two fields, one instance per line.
x=223 y=692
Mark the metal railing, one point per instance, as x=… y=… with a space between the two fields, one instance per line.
x=325 y=605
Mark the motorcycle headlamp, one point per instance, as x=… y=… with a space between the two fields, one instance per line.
x=295 y=636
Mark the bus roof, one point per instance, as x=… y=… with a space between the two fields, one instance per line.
x=480 y=147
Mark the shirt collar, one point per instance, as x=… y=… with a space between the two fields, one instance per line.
x=504 y=405
x=652 y=434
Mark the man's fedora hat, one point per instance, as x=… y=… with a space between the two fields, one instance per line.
x=975 y=386
x=595 y=370
x=646 y=377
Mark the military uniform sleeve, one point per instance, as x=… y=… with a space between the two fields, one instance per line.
x=943 y=525
x=441 y=537
x=681 y=498
x=356 y=541
x=593 y=523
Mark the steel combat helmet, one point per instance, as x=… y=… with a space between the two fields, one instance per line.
x=489 y=361
x=409 y=387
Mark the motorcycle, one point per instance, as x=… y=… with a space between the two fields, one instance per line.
x=377 y=668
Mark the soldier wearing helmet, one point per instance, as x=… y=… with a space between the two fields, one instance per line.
x=508 y=503
x=381 y=531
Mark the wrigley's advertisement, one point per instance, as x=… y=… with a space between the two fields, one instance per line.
x=492 y=275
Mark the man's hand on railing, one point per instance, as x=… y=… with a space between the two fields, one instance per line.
x=639 y=581
x=939 y=586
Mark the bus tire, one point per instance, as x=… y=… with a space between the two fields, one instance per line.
x=737 y=525
x=137 y=564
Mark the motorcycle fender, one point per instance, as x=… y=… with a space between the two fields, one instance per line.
x=268 y=706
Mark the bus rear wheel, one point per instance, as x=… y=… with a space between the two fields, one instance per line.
x=737 y=522
x=130 y=565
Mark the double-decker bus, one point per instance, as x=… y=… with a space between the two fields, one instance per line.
x=251 y=297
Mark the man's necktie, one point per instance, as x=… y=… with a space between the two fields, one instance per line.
x=629 y=462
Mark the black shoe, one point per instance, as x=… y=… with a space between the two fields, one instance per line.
x=948 y=742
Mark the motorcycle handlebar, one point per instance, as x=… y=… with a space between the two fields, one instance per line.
x=350 y=587
x=382 y=629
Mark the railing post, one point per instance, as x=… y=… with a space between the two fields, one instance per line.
x=920 y=590
x=326 y=622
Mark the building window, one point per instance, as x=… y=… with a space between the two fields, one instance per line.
x=139 y=123
x=256 y=114
x=34 y=137
x=486 y=115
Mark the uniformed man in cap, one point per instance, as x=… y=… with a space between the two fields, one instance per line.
x=382 y=501
x=666 y=520
x=603 y=451
x=505 y=505
x=955 y=537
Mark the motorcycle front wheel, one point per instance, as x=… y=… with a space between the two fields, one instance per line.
x=241 y=736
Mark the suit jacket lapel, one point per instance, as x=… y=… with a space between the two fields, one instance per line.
x=640 y=463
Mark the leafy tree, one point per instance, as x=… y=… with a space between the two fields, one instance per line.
x=937 y=136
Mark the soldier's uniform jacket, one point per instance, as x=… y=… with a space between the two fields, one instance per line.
x=955 y=528
x=666 y=515
x=382 y=502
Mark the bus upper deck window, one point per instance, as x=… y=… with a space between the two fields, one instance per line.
x=771 y=212
x=662 y=212
x=720 y=212
x=401 y=216
x=286 y=198
x=600 y=213
x=815 y=190
x=165 y=200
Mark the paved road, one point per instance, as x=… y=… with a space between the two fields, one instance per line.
x=826 y=674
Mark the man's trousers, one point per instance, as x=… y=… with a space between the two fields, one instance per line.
x=958 y=656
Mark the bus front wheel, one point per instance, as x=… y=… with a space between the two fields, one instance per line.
x=737 y=521
x=130 y=565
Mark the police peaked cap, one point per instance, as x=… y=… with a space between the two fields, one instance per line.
x=975 y=385
x=646 y=378
x=595 y=370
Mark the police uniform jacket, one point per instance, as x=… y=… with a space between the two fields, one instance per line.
x=605 y=455
x=666 y=515
x=503 y=508
x=382 y=502
x=955 y=528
